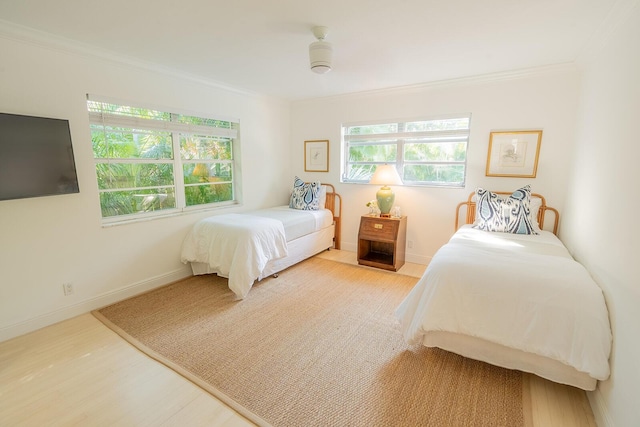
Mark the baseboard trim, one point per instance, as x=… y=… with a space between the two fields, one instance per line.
x=82 y=307
x=599 y=408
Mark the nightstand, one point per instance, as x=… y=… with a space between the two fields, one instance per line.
x=382 y=242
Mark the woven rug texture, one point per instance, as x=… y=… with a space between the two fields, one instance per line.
x=317 y=346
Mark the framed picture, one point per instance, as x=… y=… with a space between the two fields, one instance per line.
x=514 y=153
x=316 y=156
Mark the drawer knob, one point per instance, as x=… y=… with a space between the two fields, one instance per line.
x=377 y=226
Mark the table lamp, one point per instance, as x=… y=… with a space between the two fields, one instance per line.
x=385 y=175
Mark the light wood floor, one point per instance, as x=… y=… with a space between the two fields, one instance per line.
x=78 y=372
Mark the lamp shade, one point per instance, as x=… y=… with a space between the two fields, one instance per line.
x=385 y=175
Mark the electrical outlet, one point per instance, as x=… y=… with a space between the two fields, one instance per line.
x=67 y=288
x=410 y=244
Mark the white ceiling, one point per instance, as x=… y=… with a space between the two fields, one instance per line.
x=262 y=45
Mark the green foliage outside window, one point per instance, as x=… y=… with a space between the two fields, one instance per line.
x=136 y=166
x=425 y=152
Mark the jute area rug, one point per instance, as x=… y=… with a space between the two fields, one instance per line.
x=317 y=346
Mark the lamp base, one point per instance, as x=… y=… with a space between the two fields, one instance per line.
x=385 y=215
x=385 y=198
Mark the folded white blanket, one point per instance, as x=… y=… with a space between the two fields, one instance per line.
x=237 y=246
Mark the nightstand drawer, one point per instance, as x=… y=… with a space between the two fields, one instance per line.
x=382 y=230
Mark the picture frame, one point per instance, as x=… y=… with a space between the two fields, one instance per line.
x=514 y=153
x=316 y=155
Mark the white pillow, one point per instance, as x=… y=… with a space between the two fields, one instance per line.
x=534 y=206
x=322 y=197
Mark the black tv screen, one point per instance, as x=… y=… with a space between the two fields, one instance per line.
x=36 y=157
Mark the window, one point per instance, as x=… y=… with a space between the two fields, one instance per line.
x=426 y=152
x=151 y=162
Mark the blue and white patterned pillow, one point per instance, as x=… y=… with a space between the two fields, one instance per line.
x=507 y=215
x=488 y=211
x=305 y=195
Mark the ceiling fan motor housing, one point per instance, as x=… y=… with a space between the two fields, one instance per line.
x=320 y=54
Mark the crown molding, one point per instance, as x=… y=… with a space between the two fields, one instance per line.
x=619 y=13
x=46 y=40
x=42 y=39
x=562 y=68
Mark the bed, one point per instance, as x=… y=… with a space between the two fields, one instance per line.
x=516 y=300
x=246 y=247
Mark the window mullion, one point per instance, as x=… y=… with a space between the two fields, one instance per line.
x=400 y=149
x=133 y=122
x=178 y=172
x=134 y=160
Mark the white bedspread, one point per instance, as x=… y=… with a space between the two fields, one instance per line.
x=523 y=292
x=237 y=246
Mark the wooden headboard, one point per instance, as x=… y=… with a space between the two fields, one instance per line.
x=471 y=211
x=334 y=204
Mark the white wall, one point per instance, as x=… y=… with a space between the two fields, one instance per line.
x=602 y=207
x=539 y=99
x=47 y=241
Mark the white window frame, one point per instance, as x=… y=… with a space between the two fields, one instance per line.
x=176 y=129
x=400 y=137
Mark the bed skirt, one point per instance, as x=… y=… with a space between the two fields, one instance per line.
x=298 y=249
x=496 y=354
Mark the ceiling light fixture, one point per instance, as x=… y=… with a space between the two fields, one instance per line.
x=320 y=52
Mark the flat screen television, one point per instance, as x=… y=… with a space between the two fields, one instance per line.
x=36 y=157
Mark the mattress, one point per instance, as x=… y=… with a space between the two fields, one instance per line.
x=297 y=223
